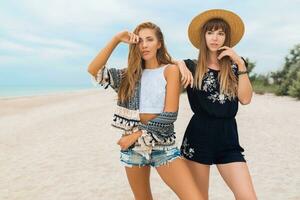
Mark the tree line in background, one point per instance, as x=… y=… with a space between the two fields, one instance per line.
x=285 y=81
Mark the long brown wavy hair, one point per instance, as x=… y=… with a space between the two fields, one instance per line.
x=136 y=63
x=226 y=77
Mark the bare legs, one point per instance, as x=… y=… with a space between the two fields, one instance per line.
x=138 y=178
x=200 y=173
x=236 y=175
x=178 y=177
x=175 y=174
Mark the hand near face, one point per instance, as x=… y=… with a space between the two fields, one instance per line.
x=227 y=51
x=127 y=37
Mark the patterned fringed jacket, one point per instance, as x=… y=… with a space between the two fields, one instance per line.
x=158 y=133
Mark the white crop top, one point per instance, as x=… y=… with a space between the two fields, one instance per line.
x=153 y=90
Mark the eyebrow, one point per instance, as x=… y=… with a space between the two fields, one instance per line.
x=216 y=31
x=148 y=37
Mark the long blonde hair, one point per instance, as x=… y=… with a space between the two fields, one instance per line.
x=226 y=77
x=136 y=64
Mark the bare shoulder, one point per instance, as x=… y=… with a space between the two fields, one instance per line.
x=171 y=71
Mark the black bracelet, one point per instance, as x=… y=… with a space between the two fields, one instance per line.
x=246 y=63
x=242 y=72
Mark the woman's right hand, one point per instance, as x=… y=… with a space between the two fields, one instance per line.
x=102 y=57
x=186 y=75
x=127 y=140
x=127 y=37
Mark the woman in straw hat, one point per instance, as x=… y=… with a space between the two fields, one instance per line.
x=220 y=82
x=148 y=98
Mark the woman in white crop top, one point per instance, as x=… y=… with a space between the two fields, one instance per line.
x=159 y=92
x=153 y=82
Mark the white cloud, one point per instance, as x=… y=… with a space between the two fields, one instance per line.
x=4 y=59
x=41 y=48
x=15 y=47
x=46 y=41
x=91 y=13
x=271 y=28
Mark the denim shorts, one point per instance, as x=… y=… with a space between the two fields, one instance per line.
x=131 y=158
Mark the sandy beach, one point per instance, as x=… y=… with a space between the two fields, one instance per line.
x=62 y=147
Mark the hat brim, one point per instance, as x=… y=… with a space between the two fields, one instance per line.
x=234 y=21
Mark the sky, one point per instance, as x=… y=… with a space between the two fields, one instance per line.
x=51 y=42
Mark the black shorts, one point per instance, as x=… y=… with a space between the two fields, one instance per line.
x=212 y=141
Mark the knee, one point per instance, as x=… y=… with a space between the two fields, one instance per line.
x=199 y=197
x=205 y=196
x=204 y=192
x=246 y=196
x=143 y=196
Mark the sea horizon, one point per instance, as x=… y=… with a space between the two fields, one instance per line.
x=33 y=90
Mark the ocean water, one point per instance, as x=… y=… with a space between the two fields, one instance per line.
x=17 y=91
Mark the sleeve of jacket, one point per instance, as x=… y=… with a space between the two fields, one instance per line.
x=109 y=77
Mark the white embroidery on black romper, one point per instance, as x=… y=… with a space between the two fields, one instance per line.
x=221 y=98
x=187 y=151
x=210 y=85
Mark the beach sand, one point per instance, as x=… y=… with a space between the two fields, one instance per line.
x=62 y=147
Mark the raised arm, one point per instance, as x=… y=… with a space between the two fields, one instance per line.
x=100 y=60
x=245 y=90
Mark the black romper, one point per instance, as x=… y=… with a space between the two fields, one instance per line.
x=211 y=136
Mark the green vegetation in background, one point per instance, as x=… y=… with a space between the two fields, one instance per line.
x=285 y=81
x=288 y=79
x=261 y=83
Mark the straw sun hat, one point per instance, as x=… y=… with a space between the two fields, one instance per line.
x=234 y=21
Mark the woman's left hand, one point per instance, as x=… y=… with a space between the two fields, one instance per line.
x=227 y=51
x=128 y=140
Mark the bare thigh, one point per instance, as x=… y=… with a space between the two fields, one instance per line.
x=237 y=177
x=200 y=173
x=138 y=178
x=178 y=177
